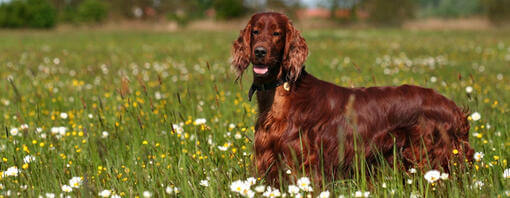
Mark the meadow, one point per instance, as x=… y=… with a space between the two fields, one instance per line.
x=142 y=113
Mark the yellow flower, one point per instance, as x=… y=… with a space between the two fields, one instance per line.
x=455 y=151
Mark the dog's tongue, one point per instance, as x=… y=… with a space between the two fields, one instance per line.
x=260 y=70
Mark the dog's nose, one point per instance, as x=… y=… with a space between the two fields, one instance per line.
x=260 y=52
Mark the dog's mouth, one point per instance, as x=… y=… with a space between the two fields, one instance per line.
x=260 y=69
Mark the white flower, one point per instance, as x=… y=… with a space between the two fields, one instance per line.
x=412 y=170
x=238 y=136
x=59 y=131
x=169 y=190
x=75 y=182
x=63 y=115
x=239 y=186
x=478 y=156
x=271 y=192
x=384 y=185
x=177 y=128
x=12 y=171
x=115 y=196
x=361 y=194
x=260 y=188
x=38 y=129
x=50 y=195
x=432 y=176
x=506 y=173
x=288 y=172
x=293 y=189
x=14 y=132
x=67 y=188
x=414 y=195
x=24 y=126
x=105 y=193
x=200 y=121
x=476 y=116
x=251 y=181
x=147 y=194
x=444 y=176
x=29 y=158
x=243 y=188
x=304 y=184
x=478 y=184
x=409 y=181
x=105 y=134
x=324 y=194
x=204 y=183
x=469 y=89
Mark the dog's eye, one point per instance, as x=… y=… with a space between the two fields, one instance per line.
x=255 y=32
x=276 y=33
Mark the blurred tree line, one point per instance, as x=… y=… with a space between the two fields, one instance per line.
x=46 y=13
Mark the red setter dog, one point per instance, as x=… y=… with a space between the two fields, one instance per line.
x=308 y=124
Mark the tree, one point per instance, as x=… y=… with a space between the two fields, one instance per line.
x=394 y=12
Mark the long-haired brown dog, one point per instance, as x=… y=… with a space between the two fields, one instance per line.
x=308 y=124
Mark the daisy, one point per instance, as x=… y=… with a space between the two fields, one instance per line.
x=469 y=89
x=11 y=171
x=67 y=188
x=444 y=176
x=251 y=180
x=63 y=115
x=147 y=194
x=200 y=121
x=238 y=186
x=293 y=189
x=272 y=193
x=361 y=194
x=478 y=156
x=204 y=183
x=105 y=193
x=14 y=132
x=75 y=182
x=476 y=116
x=29 y=158
x=506 y=173
x=260 y=188
x=304 y=184
x=432 y=176
x=324 y=194
x=169 y=190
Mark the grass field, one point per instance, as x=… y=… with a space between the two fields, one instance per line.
x=101 y=106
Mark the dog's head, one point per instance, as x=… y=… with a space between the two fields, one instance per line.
x=274 y=47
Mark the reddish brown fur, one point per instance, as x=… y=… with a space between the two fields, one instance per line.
x=316 y=122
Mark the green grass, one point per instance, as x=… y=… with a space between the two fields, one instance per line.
x=135 y=85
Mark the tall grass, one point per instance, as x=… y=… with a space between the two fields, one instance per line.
x=131 y=104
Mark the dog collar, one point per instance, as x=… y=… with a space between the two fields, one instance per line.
x=268 y=86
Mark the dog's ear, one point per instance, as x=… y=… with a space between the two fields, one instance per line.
x=241 y=51
x=295 y=52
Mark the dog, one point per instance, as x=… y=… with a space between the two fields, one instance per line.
x=304 y=123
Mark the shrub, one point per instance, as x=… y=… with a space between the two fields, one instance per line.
x=394 y=12
x=498 y=11
x=92 y=11
x=41 y=14
x=29 y=13
x=227 y=9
